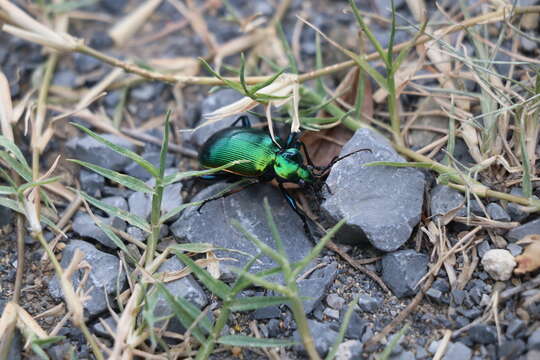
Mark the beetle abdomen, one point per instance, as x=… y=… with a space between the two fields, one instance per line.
x=232 y=144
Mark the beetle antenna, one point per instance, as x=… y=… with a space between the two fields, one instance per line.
x=323 y=170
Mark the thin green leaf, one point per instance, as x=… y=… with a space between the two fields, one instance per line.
x=372 y=38
x=263 y=84
x=186 y=313
x=319 y=85
x=107 y=229
x=526 y=183
x=125 y=180
x=342 y=330
x=170 y=179
x=11 y=204
x=114 y=211
x=233 y=85
x=14 y=164
x=248 y=341
x=406 y=50
x=198 y=248
x=257 y=279
x=267 y=250
x=258 y=302
x=120 y=150
x=288 y=51
x=217 y=287
x=29 y=185
x=12 y=147
x=385 y=355
x=243 y=76
x=421 y=165
x=7 y=190
x=164 y=145
x=273 y=229
x=390 y=50
x=317 y=249
x=48 y=340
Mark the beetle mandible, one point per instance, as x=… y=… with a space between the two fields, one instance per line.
x=267 y=160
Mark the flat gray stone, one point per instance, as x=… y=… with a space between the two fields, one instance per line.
x=213 y=224
x=529 y=228
x=185 y=287
x=316 y=286
x=323 y=337
x=88 y=149
x=84 y=225
x=444 y=199
x=381 y=204
x=104 y=277
x=402 y=270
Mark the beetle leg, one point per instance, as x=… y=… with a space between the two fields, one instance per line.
x=235 y=189
x=300 y=213
x=246 y=123
x=220 y=175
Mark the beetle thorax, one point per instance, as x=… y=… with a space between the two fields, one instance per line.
x=289 y=165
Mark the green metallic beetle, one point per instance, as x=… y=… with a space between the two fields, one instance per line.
x=268 y=160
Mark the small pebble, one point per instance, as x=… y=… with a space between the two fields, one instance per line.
x=499 y=264
x=335 y=301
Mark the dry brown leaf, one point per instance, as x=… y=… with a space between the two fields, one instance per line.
x=529 y=260
x=326 y=144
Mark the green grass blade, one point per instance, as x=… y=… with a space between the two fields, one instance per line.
x=317 y=249
x=243 y=76
x=342 y=330
x=248 y=341
x=132 y=219
x=32 y=184
x=120 y=150
x=186 y=313
x=11 y=147
x=16 y=165
x=170 y=179
x=233 y=85
x=216 y=286
x=376 y=44
x=11 y=204
x=7 y=190
x=288 y=51
x=407 y=49
x=258 y=302
x=164 y=145
x=390 y=50
x=116 y=240
x=128 y=181
x=197 y=248
x=273 y=229
x=385 y=355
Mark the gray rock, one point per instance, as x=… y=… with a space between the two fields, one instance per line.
x=85 y=63
x=483 y=248
x=514 y=327
x=421 y=353
x=533 y=343
x=114 y=6
x=210 y=103
x=270 y=312
x=185 y=287
x=145 y=92
x=101 y=330
x=496 y=212
x=104 y=277
x=66 y=78
x=514 y=210
x=402 y=270
x=315 y=287
x=84 y=225
x=117 y=202
x=357 y=326
x=381 y=204
x=139 y=172
x=533 y=355
x=483 y=334
x=331 y=313
x=457 y=351
x=141 y=203
x=442 y=285
x=517 y=233
x=91 y=182
x=527 y=44
x=88 y=149
x=349 y=350
x=458 y=296
x=368 y=303
x=404 y=355
x=514 y=249
x=323 y=337
x=136 y=233
x=335 y=301
x=213 y=224
x=511 y=349
x=444 y=199
x=434 y=294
